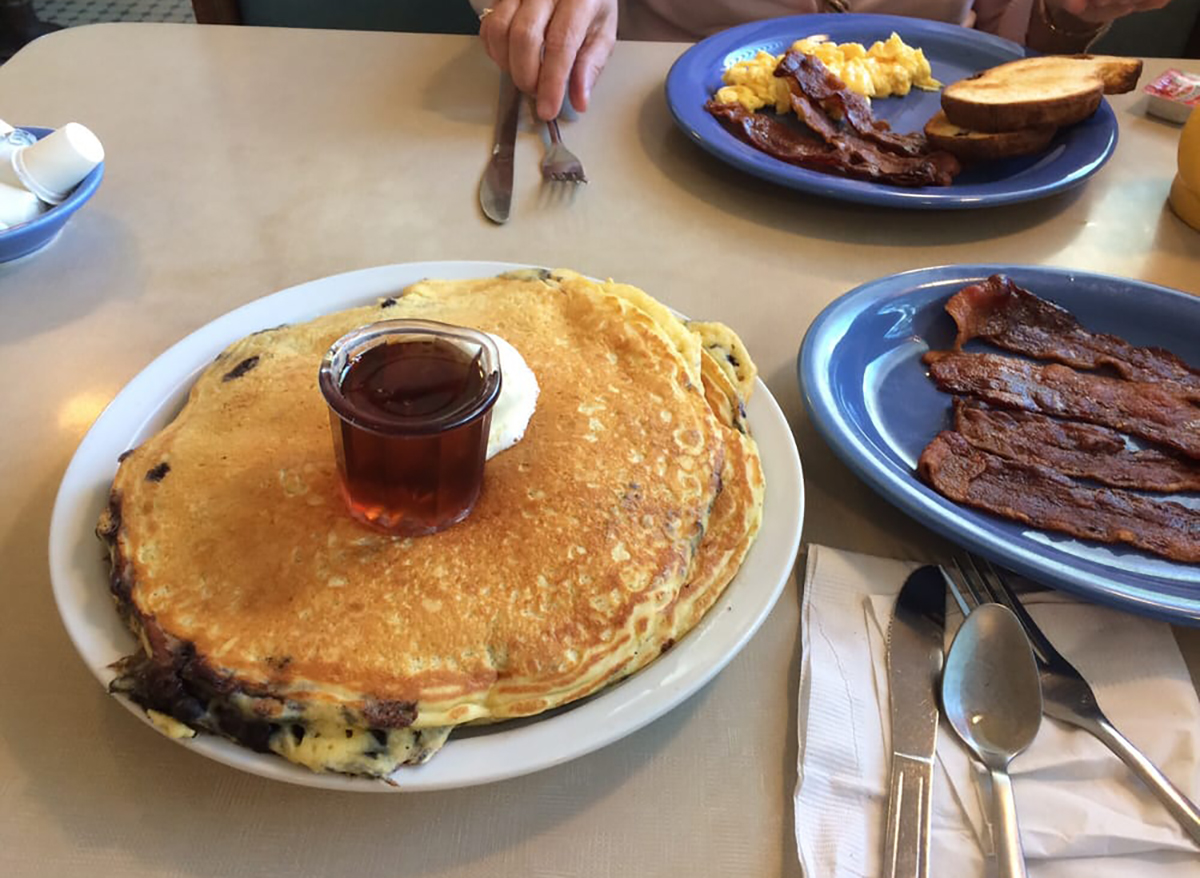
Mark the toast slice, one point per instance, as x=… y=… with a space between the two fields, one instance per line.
x=1033 y=92
x=975 y=146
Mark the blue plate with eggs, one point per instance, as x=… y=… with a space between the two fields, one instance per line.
x=954 y=53
x=28 y=237
x=869 y=395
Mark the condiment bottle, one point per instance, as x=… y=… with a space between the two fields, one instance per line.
x=1185 y=190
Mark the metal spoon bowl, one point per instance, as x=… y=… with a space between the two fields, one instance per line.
x=992 y=696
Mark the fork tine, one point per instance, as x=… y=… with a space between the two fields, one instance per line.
x=1009 y=598
x=990 y=578
x=988 y=586
x=970 y=579
x=964 y=605
x=560 y=164
x=995 y=589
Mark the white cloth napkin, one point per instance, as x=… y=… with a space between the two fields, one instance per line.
x=1082 y=813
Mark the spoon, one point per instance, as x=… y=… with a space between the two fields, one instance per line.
x=992 y=696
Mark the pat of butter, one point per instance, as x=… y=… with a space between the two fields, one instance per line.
x=518 y=399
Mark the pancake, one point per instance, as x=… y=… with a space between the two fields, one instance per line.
x=267 y=614
x=732 y=526
x=686 y=342
x=730 y=354
x=722 y=396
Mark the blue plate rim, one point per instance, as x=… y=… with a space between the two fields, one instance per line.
x=1116 y=588
x=733 y=152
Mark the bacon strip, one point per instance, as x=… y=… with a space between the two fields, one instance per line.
x=1040 y=497
x=1151 y=411
x=1073 y=449
x=1010 y=317
x=847 y=155
x=850 y=142
x=809 y=79
x=768 y=133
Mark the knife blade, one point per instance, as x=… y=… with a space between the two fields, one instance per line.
x=914 y=656
x=495 y=189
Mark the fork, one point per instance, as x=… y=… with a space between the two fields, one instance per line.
x=560 y=165
x=1066 y=696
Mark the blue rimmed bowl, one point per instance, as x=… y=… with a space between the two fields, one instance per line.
x=28 y=237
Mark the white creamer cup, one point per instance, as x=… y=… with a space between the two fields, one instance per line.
x=54 y=165
x=17 y=206
x=12 y=139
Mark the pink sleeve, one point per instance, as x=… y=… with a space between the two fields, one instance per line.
x=1005 y=18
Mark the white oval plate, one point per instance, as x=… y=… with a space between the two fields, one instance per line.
x=156 y=394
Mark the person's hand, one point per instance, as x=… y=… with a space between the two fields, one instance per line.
x=1097 y=12
x=550 y=46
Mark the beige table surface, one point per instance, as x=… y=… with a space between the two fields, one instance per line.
x=242 y=161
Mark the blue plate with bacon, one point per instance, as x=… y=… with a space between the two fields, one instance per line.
x=1063 y=441
x=954 y=52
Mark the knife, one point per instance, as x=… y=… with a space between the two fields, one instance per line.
x=914 y=656
x=495 y=189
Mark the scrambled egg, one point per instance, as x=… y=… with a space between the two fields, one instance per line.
x=754 y=85
x=886 y=69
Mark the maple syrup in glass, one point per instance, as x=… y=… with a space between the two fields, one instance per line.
x=410 y=405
